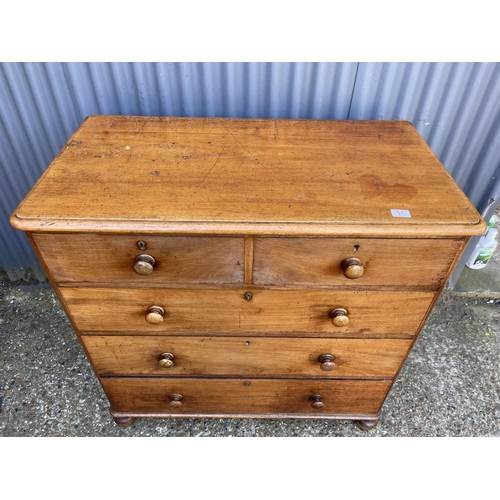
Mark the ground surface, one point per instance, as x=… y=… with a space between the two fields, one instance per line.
x=449 y=386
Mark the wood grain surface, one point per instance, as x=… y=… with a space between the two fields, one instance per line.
x=387 y=262
x=242 y=226
x=209 y=396
x=223 y=311
x=251 y=356
x=109 y=259
x=244 y=175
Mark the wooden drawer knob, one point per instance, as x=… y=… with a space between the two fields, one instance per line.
x=339 y=317
x=352 y=268
x=155 y=315
x=327 y=364
x=317 y=402
x=166 y=360
x=175 y=400
x=144 y=264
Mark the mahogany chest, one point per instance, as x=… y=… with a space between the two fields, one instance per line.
x=247 y=267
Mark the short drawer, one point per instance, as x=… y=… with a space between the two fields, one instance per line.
x=105 y=258
x=239 y=397
x=251 y=356
x=386 y=262
x=244 y=311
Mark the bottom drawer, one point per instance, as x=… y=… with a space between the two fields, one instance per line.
x=240 y=397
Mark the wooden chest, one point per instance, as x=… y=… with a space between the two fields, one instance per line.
x=244 y=267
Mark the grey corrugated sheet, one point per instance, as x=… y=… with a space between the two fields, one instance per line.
x=455 y=106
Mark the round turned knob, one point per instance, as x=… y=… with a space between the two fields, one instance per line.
x=339 y=317
x=175 y=400
x=155 y=315
x=166 y=360
x=352 y=268
x=144 y=264
x=317 y=402
x=327 y=364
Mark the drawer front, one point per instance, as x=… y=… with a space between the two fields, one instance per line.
x=252 y=356
x=240 y=397
x=96 y=258
x=386 y=262
x=229 y=311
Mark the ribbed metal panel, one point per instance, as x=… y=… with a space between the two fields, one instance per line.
x=36 y=117
x=41 y=104
x=455 y=106
x=280 y=90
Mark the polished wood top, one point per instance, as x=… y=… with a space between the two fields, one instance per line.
x=247 y=176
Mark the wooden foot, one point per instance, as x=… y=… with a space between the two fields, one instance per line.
x=367 y=425
x=124 y=421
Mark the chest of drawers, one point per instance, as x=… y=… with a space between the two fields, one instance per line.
x=247 y=268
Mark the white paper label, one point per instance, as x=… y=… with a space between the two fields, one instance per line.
x=400 y=213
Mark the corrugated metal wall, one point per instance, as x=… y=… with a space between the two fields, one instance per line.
x=455 y=106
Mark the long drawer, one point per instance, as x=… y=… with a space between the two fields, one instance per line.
x=105 y=258
x=240 y=311
x=386 y=262
x=245 y=397
x=252 y=356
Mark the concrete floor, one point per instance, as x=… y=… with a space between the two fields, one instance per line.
x=449 y=386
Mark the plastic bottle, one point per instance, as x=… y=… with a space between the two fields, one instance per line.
x=485 y=248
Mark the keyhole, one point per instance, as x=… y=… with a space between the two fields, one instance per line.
x=141 y=245
x=356 y=248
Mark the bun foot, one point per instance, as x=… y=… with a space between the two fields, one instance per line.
x=367 y=425
x=124 y=421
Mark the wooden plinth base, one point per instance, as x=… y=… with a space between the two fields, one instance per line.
x=124 y=421
x=365 y=423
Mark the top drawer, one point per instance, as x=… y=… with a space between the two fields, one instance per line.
x=422 y=263
x=105 y=258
